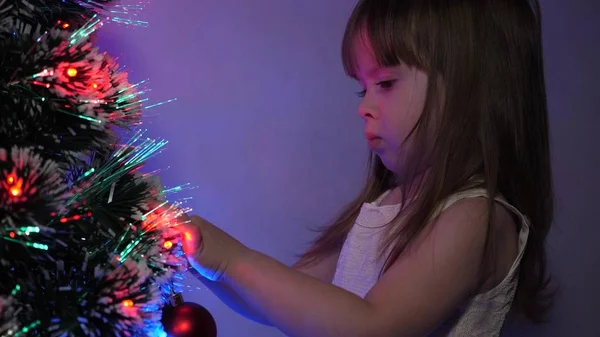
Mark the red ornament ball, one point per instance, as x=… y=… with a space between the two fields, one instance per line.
x=188 y=320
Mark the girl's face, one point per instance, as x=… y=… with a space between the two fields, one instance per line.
x=393 y=100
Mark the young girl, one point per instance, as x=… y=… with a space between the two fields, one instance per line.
x=449 y=231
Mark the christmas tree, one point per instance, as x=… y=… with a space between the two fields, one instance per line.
x=87 y=244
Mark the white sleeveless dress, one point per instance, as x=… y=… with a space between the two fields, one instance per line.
x=358 y=268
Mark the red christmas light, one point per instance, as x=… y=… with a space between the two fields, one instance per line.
x=15 y=185
x=16 y=191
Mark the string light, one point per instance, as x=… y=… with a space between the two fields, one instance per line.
x=63 y=25
x=15 y=185
x=16 y=191
x=168 y=244
x=128 y=303
x=74 y=217
x=72 y=72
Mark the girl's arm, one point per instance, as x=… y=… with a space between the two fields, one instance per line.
x=418 y=291
x=224 y=292
x=323 y=270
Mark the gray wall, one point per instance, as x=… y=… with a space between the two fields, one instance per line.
x=265 y=125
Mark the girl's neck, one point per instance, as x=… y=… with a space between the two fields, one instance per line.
x=394 y=197
x=396 y=194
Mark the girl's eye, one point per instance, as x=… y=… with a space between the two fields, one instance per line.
x=386 y=84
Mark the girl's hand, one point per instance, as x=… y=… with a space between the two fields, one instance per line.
x=209 y=250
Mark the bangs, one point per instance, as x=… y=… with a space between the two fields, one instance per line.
x=391 y=38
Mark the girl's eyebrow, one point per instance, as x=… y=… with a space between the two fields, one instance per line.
x=374 y=71
x=380 y=70
x=371 y=73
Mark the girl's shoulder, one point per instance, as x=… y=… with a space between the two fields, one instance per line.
x=507 y=231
